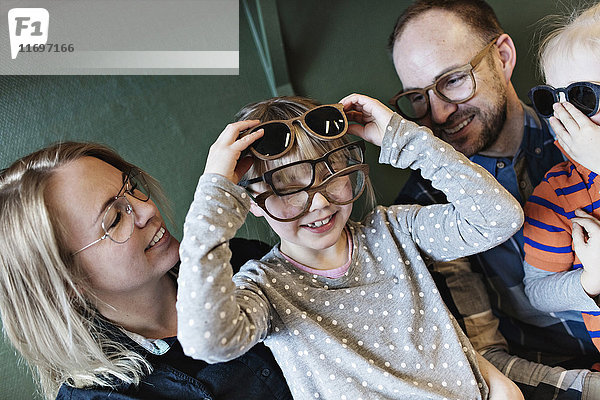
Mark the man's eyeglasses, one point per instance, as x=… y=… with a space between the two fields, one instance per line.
x=456 y=86
x=583 y=95
x=119 y=219
x=326 y=122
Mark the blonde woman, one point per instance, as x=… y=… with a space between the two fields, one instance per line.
x=88 y=290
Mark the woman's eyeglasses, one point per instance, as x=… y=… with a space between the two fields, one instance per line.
x=583 y=95
x=326 y=122
x=118 y=221
x=456 y=86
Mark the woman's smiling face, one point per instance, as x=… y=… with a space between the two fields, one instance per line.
x=79 y=193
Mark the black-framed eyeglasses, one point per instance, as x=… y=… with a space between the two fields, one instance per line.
x=300 y=175
x=583 y=95
x=118 y=221
x=343 y=187
x=326 y=122
x=455 y=86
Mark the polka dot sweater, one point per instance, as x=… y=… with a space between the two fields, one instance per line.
x=381 y=331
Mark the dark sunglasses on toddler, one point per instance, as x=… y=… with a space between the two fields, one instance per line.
x=326 y=122
x=583 y=95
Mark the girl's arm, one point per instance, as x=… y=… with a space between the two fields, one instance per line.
x=501 y=388
x=481 y=213
x=218 y=321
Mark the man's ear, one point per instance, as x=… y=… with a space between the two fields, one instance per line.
x=256 y=210
x=508 y=55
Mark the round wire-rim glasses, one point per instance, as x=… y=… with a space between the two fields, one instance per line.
x=466 y=71
x=118 y=221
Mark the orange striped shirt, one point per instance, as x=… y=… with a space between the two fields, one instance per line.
x=548 y=229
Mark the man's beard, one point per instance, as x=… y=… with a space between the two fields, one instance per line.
x=492 y=121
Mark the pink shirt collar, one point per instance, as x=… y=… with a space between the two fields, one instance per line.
x=327 y=273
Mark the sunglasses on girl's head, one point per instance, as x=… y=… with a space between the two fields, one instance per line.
x=326 y=122
x=583 y=95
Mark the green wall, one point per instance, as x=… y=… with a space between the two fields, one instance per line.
x=166 y=123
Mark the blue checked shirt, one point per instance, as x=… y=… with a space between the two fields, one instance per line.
x=531 y=333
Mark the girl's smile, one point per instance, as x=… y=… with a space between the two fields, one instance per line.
x=322 y=225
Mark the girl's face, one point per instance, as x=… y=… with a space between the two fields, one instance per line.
x=319 y=230
x=322 y=226
x=80 y=193
x=580 y=68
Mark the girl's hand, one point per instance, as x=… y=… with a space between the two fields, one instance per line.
x=577 y=134
x=501 y=388
x=371 y=115
x=224 y=154
x=586 y=243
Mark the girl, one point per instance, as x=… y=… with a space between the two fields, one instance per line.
x=348 y=308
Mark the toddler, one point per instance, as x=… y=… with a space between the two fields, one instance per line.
x=562 y=267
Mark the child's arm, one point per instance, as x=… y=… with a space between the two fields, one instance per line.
x=482 y=214
x=556 y=291
x=551 y=282
x=218 y=321
x=586 y=243
x=501 y=388
x=577 y=134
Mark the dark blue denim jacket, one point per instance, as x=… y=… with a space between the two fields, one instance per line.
x=253 y=376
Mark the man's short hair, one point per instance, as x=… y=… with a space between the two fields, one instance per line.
x=475 y=13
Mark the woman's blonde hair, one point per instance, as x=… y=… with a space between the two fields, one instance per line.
x=306 y=147
x=44 y=311
x=578 y=33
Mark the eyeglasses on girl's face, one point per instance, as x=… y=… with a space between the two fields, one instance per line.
x=343 y=187
x=300 y=175
x=118 y=221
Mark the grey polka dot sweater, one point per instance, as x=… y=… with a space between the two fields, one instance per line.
x=381 y=331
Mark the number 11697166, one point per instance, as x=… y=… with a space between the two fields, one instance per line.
x=47 y=48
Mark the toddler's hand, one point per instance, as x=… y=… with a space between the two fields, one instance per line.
x=586 y=243
x=577 y=134
x=371 y=115
x=224 y=154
